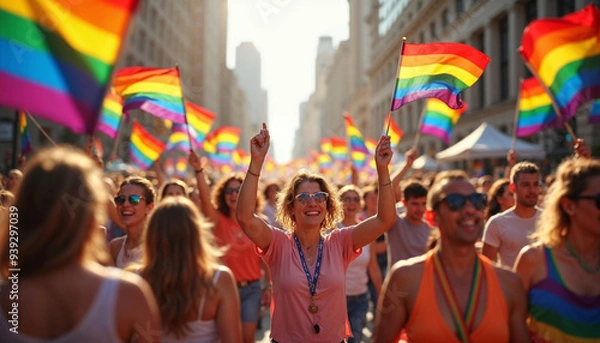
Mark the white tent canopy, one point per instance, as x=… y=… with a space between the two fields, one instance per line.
x=424 y=162
x=488 y=142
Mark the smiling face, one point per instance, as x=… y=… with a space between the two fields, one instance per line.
x=351 y=204
x=133 y=215
x=310 y=214
x=232 y=191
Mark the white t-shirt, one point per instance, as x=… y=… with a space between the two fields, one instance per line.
x=509 y=233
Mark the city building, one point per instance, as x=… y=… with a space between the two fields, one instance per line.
x=248 y=71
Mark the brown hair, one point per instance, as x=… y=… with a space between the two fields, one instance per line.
x=148 y=189
x=218 y=193
x=497 y=190
x=174 y=182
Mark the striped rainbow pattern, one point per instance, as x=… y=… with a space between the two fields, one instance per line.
x=325 y=145
x=227 y=138
x=565 y=55
x=154 y=90
x=595 y=112
x=324 y=161
x=372 y=145
x=62 y=52
x=395 y=132
x=110 y=117
x=200 y=120
x=437 y=70
x=339 y=149
x=355 y=138
x=24 y=131
x=439 y=119
x=179 y=139
x=181 y=166
x=144 y=148
x=535 y=108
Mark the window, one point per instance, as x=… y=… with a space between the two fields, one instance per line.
x=445 y=18
x=504 y=63
x=530 y=11
x=432 y=29
x=460 y=8
x=422 y=37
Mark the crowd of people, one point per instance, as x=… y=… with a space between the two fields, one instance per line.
x=136 y=258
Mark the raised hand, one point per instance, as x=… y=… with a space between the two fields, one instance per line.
x=582 y=149
x=259 y=144
x=195 y=160
x=383 y=152
x=411 y=156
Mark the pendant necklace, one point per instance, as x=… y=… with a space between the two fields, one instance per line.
x=312 y=281
x=583 y=265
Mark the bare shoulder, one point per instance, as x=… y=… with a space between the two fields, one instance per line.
x=226 y=278
x=115 y=245
x=531 y=255
x=408 y=270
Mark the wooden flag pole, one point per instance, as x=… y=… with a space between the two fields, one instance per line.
x=387 y=130
x=513 y=143
x=418 y=135
x=40 y=128
x=554 y=104
x=187 y=126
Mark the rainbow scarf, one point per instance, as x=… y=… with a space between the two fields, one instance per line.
x=112 y=109
x=437 y=70
x=24 y=131
x=145 y=149
x=58 y=56
x=565 y=55
x=395 y=132
x=535 y=109
x=154 y=90
x=439 y=119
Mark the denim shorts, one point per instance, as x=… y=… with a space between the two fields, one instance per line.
x=250 y=297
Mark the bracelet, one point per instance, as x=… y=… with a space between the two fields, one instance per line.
x=251 y=173
x=385 y=183
x=198 y=171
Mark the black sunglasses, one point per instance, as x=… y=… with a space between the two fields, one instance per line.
x=457 y=202
x=230 y=190
x=592 y=197
x=133 y=199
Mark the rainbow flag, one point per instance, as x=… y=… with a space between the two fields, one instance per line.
x=110 y=117
x=359 y=159
x=535 y=109
x=339 y=149
x=595 y=112
x=25 y=139
x=144 y=148
x=181 y=166
x=227 y=138
x=179 y=139
x=372 y=145
x=355 y=138
x=565 y=55
x=439 y=119
x=169 y=166
x=437 y=70
x=241 y=159
x=325 y=145
x=395 y=132
x=200 y=121
x=154 y=90
x=58 y=56
x=325 y=162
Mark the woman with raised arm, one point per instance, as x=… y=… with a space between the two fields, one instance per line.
x=313 y=311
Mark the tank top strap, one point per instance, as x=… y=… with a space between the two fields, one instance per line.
x=551 y=268
x=203 y=300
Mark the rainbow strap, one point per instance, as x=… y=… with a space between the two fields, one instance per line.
x=464 y=324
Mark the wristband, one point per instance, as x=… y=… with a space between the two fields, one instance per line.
x=198 y=171
x=251 y=173
x=385 y=183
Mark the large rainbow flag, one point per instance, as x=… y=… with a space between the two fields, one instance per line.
x=24 y=131
x=110 y=118
x=58 y=56
x=395 y=132
x=439 y=119
x=144 y=149
x=437 y=70
x=535 y=109
x=565 y=55
x=154 y=90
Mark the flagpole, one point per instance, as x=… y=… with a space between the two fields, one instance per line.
x=553 y=100
x=514 y=137
x=387 y=130
x=187 y=125
x=418 y=135
x=40 y=128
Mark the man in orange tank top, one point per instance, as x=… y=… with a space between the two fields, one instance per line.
x=451 y=293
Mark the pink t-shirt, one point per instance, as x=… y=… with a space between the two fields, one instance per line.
x=290 y=319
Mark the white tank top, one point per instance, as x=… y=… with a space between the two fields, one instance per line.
x=97 y=326
x=356 y=275
x=135 y=255
x=201 y=331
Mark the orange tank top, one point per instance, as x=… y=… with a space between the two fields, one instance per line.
x=425 y=316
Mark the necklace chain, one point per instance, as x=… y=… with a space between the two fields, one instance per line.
x=581 y=263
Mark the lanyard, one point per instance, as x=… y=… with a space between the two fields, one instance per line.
x=464 y=323
x=312 y=282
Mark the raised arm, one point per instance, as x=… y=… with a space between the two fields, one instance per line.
x=254 y=227
x=582 y=149
x=208 y=209
x=398 y=175
x=368 y=230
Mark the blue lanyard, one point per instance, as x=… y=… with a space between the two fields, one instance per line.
x=312 y=282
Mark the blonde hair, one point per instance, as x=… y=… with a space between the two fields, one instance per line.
x=61 y=204
x=285 y=200
x=174 y=182
x=572 y=179
x=180 y=259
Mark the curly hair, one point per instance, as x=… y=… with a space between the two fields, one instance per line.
x=218 y=193
x=572 y=179
x=496 y=191
x=285 y=200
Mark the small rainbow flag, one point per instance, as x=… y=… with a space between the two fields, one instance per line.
x=372 y=145
x=437 y=70
x=355 y=138
x=395 y=132
x=144 y=148
x=25 y=139
x=325 y=145
x=227 y=138
x=154 y=90
x=241 y=159
x=595 y=112
x=179 y=139
x=181 y=166
x=58 y=56
x=325 y=162
x=200 y=120
x=110 y=117
x=439 y=119
x=339 y=149
x=535 y=108
x=565 y=55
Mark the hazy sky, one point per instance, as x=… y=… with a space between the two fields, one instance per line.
x=286 y=33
